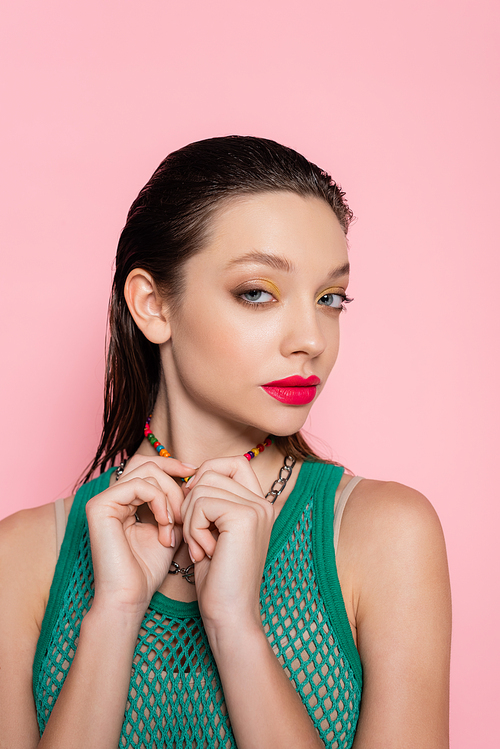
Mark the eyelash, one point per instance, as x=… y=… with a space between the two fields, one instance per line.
x=253 y=304
x=345 y=299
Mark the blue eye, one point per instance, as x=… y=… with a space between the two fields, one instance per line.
x=256 y=296
x=333 y=300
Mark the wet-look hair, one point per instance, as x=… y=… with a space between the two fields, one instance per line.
x=169 y=222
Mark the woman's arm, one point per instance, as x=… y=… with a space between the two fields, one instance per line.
x=392 y=561
x=91 y=704
x=130 y=562
x=263 y=706
x=89 y=711
x=27 y=561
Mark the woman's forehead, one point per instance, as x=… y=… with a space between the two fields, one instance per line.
x=280 y=224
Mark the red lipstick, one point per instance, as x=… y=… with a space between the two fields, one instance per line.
x=295 y=390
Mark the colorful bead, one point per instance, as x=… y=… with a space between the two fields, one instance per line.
x=162 y=450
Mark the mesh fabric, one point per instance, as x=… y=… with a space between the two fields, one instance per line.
x=175 y=697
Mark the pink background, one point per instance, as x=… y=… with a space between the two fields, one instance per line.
x=400 y=102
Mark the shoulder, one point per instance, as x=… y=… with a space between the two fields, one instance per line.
x=383 y=499
x=27 y=563
x=394 y=575
x=391 y=541
x=381 y=512
x=28 y=557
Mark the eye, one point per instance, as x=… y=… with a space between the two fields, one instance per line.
x=336 y=301
x=256 y=296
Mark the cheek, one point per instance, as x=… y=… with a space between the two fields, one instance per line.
x=222 y=342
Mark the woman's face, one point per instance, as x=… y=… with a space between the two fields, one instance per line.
x=261 y=304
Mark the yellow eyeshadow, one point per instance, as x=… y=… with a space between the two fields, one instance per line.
x=333 y=290
x=273 y=288
x=257 y=282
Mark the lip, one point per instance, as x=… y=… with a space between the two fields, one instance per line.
x=295 y=381
x=295 y=390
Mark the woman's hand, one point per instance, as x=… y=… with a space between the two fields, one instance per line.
x=130 y=558
x=169 y=465
x=227 y=525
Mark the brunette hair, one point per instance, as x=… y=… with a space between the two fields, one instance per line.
x=167 y=224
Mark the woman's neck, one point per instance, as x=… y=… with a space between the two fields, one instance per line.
x=194 y=437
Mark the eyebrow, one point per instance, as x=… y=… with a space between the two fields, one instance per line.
x=278 y=262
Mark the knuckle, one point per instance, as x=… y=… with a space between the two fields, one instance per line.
x=93 y=505
x=264 y=509
x=252 y=513
x=89 y=507
x=139 y=485
x=208 y=478
x=199 y=492
x=239 y=462
x=269 y=511
x=150 y=465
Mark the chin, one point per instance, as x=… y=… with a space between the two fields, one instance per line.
x=286 y=424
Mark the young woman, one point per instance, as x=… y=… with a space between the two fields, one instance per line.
x=234 y=609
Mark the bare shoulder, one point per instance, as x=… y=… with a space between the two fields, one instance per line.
x=387 y=529
x=394 y=576
x=27 y=562
x=28 y=556
x=380 y=512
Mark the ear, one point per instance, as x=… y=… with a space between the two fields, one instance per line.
x=147 y=306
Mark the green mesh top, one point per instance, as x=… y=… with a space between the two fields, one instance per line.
x=175 y=697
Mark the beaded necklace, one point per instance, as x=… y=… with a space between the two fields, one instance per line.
x=162 y=450
x=272 y=495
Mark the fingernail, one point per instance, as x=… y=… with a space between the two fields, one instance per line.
x=190 y=481
x=189 y=465
x=172 y=542
x=169 y=516
x=191 y=556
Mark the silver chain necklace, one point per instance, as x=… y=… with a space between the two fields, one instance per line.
x=272 y=495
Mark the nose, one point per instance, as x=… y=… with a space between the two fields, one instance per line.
x=304 y=331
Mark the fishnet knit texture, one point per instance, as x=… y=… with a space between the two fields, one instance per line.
x=175 y=697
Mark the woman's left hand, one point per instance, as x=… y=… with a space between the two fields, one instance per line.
x=227 y=525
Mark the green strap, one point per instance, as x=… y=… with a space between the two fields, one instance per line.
x=65 y=563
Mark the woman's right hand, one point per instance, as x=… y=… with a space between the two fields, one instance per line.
x=131 y=559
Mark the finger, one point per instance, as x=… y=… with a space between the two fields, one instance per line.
x=164 y=515
x=196 y=529
x=215 y=486
x=223 y=486
x=236 y=467
x=170 y=488
x=121 y=500
x=209 y=505
x=170 y=466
